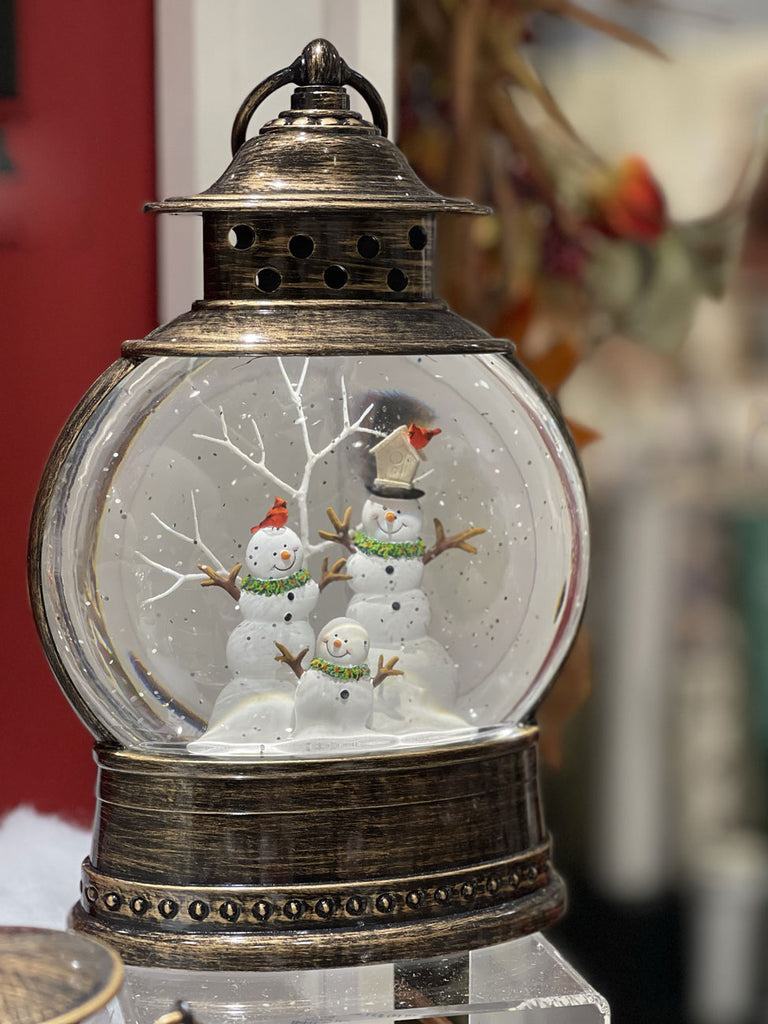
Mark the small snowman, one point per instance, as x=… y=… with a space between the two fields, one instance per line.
x=275 y=599
x=385 y=568
x=334 y=695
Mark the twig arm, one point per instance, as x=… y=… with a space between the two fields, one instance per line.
x=292 y=660
x=458 y=540
x=228 y=582
x=332 y=574
x=340 y=529
x=385 y=671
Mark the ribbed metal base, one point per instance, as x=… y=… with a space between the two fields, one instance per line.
x=318 y=863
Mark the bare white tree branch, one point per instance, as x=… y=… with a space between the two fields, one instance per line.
x=295 y=393
x=180 y=578
x=297 y=493
x=259 y=466
x=196 y=540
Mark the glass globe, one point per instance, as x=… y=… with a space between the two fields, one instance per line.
x=192 y=586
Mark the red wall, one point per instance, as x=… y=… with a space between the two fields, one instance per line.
x=77 y=276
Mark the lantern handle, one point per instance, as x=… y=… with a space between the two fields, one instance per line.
x=318 y=64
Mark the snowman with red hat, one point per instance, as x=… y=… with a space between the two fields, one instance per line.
x=385 y=568
x=275 y=598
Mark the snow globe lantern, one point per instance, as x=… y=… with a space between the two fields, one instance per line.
x=304 y=561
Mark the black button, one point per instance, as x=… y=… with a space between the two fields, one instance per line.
x=288 y=617
x=291 y=596
x=395 y=606
x=389 y=570
x=344 y=694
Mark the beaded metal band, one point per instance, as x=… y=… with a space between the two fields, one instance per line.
x=302 y=906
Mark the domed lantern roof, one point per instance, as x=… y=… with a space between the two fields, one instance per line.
x=320 y=208
x=318 y=154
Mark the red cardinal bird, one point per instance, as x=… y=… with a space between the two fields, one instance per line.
x=419 y=437
x=277 y=516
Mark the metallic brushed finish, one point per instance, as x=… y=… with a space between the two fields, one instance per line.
x=308 y=863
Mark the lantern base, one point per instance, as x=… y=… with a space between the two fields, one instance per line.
x=299 y=864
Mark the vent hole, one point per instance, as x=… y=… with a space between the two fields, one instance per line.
x=396 y=279
x=417 y=237
x=301 y=246
x=368 y=246
x=268 y=279
x=241 y=236
x=335 y=277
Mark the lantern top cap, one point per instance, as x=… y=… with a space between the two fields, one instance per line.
x=319 y=154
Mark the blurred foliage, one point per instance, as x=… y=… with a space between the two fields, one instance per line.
x=576 y=250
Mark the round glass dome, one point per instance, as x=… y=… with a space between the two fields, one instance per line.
x=266 y=556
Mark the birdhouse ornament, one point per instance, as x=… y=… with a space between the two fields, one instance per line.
x=312 y=686
x=397 y=462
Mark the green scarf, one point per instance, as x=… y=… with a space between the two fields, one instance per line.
x=340 y=671
x=388 y=548
x=272 y=587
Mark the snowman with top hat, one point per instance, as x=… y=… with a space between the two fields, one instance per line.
x=385 y=569
x=275 y=598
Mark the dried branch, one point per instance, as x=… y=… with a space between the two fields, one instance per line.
x=341 y=529
x=512 y=63
x=458 y=540
x=292 y=660
x=332 y=574
x=568 y=9
x=385 y=671
x=228 y=582
x=468 y=124
x=512 y=124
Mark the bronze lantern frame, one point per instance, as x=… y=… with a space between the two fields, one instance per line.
x=330 y=861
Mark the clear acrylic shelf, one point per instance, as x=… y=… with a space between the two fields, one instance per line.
x=524 y=982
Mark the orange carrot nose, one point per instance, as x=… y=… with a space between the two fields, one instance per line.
x=337 y=644
x=285 y=555
x=390 y=517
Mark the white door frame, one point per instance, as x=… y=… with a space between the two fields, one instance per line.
x=209 y=55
